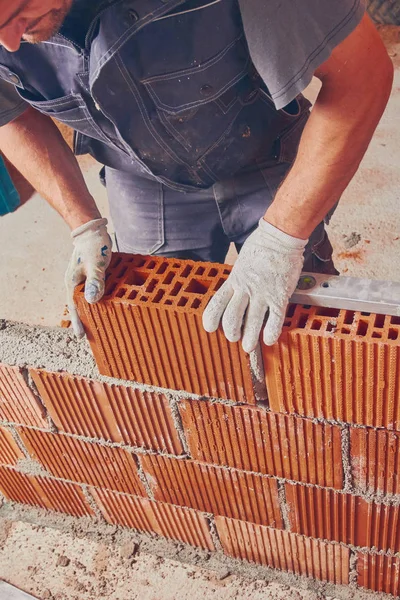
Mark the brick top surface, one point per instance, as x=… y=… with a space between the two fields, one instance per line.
x=343 y=324
x=184 y=285
x=187 y=286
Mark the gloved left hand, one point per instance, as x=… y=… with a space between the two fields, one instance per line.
x=90 y=258
x=262 y=281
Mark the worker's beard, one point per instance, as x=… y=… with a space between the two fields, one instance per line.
x=48 y=25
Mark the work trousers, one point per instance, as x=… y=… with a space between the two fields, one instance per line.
x=150 y=218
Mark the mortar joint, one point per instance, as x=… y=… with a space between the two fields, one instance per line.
x=283 y=505
x=214 y=533
x=143 y=477
x=346 y=458
x=353 y=575
x=92 y=503
x=177 y=420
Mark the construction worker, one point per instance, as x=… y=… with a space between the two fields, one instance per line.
x=195 y=109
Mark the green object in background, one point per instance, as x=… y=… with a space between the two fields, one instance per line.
x=9 y=197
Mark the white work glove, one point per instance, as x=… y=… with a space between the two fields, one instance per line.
x=90 y=259
x=262 y=281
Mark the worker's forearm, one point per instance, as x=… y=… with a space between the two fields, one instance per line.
x=356 y=84
x=33 y=144
x=330 y=151
x=332 y=146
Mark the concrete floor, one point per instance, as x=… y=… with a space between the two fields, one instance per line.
x=36 y=244
x=93 y=570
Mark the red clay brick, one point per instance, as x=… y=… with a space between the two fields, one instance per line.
x=110 y=412
x=375 y=460
x=169 y=521
x=379 y=573
x=325 y=514
x=284 y=550
x=84 y=462
x=251 y=439
x=18 y=404
x=216 y=490
x=43 y=492
x=148 y=328
x=336 y=365
x=9 y=450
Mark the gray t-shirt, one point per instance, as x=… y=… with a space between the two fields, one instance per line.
x=288 y=40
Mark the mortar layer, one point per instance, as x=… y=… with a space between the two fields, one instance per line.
x=51 y=348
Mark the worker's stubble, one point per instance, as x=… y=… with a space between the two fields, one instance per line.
x=48 y=24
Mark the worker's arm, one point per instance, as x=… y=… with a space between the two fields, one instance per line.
x=356 y=84
x=34 y=145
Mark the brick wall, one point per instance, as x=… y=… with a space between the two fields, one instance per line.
x=173 y=440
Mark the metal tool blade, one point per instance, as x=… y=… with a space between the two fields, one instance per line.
x=352 y=293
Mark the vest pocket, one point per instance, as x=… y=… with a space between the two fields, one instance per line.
x=186 y=89
x=197 y=106
x=70 y=110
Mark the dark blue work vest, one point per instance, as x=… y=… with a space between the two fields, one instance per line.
x=158 y=92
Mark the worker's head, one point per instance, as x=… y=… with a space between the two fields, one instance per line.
x=30 y=20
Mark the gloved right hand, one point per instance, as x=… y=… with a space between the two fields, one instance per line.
x=262 y=280
x=90 y=258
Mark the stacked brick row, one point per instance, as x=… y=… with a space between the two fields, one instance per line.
x=306 y=483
